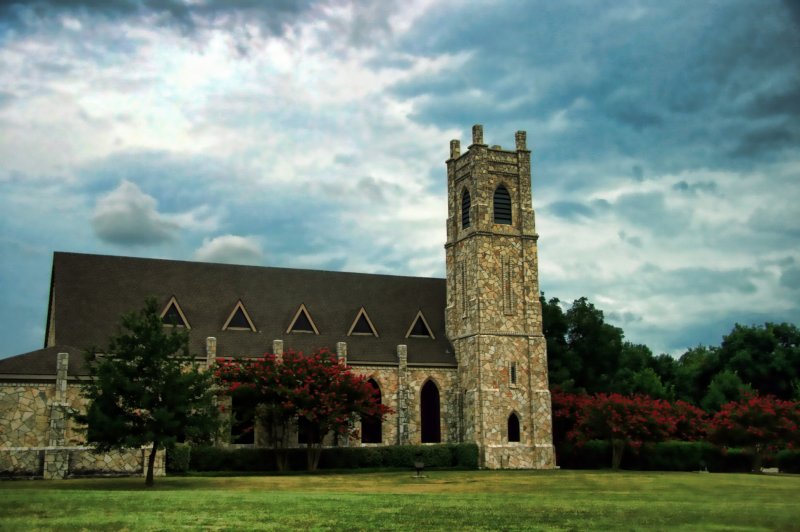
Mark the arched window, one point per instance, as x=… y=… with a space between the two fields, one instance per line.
x=307 y=432
x=371 y=429
x=513 y=428
x=502 y=206
x=242 y=419
x=429 y=413
x=466 y=203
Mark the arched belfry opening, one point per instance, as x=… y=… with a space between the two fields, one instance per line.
x=430 y=416
x=502 y=206
x=466 y=204
x=513 y=428
x=371 y=427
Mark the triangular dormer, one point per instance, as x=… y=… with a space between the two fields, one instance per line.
x=239 y=319
x=173 y=314
x=362 y=325
x=420 y=328
x=302 y=322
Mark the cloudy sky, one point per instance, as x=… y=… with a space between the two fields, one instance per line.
x=309 y=134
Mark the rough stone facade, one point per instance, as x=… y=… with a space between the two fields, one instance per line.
x=39 y=439
x=493 y=314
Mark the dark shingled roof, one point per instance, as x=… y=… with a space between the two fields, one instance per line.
x=91 y=292
x=43 y=362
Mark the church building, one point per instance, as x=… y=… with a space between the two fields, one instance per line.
x=460 y=359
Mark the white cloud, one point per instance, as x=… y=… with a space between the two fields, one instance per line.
x=128 y=217
x=231 y=249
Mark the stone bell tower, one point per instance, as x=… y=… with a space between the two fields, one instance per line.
x=493 y=316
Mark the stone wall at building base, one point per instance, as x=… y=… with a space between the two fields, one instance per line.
x=79 y=461
x=516 y=456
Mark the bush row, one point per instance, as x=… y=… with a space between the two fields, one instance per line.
x=669 y=456
x=182 y=458
x=788 y=461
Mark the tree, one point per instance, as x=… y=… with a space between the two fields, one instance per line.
x=695 y=370
x=596 y=344
x=726 y=386
x=562 y=365
x=318 y=392
x=623 y=422
x=766 y=357
x=145 y=389
x=759 y=423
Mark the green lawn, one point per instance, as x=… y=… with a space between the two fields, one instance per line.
x=447 y=500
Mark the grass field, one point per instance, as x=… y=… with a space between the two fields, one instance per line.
x=445 y=500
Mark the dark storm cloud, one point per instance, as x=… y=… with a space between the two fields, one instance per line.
x=272 y=16
x=677 y=86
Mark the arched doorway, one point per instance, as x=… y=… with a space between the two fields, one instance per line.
x=429 y=413
x=371 y=427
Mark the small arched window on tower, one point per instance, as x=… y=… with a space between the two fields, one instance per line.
x=502 y=206
x=466 y=204
x=513 y=428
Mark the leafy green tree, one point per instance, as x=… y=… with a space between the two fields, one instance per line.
x=695 y=370
x=766 y=357
x=726 y=386
x=596 y=344
x=145 y=389
x=563 y=365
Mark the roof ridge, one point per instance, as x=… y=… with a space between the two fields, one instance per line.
x=57 y=254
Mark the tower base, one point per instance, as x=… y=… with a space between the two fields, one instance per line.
x=515 y=456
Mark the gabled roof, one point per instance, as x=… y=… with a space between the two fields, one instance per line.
x=91 y=292
x=42 y=362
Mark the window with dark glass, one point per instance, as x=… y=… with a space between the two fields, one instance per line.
x=371 y=427
x=502 y=206
x=302 y=322
x=173 y=315
x=307 y=432
x=242 y=424
x=430 y=419
x=513 y=428
x=362 y=325
x=420 y=329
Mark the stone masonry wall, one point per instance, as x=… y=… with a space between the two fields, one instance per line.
x=25 y=414
x=39 y=438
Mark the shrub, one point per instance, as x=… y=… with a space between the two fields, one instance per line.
x=788 y=461
x=676 y=456
x=178 y=458
x=466 y=455
x=463 y=455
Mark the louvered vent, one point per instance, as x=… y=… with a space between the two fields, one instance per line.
x=466 y=203
x=502 y=206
